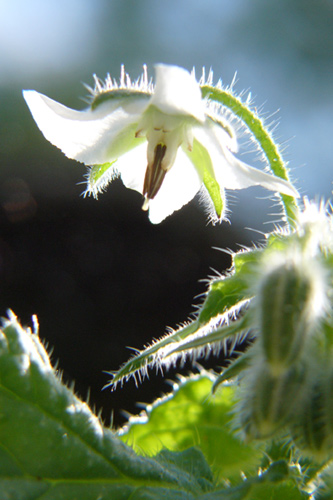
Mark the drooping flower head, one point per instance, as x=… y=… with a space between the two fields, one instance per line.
x=163 y=140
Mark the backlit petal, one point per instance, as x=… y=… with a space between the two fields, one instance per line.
x=92 y=136
x=231 y=173
x=180 y=185
x=132 y=167
x=245 y=176
x=177 y=93
x=165 y=142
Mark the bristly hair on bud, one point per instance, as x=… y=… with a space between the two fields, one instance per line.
x=291 y=298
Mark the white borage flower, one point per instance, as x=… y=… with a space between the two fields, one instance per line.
x=186 y=142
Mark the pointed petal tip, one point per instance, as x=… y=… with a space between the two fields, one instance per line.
x=27 y=95
x=283 y=188
x=35 y=101
x=286 y=188
x=296 y=193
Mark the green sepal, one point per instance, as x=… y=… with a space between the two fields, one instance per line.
x=176 y=343
x=97 y=172
x=324 y=483
x=214 y=192
x=118 y=95
x=148 y=356
x=201 y=159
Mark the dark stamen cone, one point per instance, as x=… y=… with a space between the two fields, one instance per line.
x=154 y=174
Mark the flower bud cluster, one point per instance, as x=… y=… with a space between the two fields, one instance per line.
x=289 y=383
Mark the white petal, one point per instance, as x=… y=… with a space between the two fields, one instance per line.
x=177 y=92
x=231 y=173
x=180 y=185
x=87 y=136
x=132 y=167
x=246 y=176
x=225 y=135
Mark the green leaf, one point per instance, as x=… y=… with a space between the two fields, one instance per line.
x=223 y=294
x=193 y=416
x=52 y=445
x=276 y=483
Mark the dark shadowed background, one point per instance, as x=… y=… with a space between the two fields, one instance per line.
x=99 y=276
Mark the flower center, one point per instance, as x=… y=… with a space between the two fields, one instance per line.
x=165 y=134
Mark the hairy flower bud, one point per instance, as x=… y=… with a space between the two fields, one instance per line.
x=269 y=400
x=290 y=299
x=312 y=429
